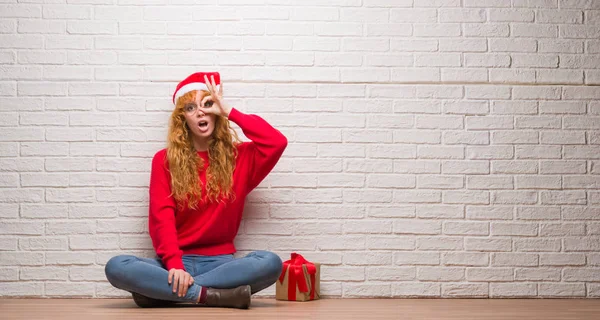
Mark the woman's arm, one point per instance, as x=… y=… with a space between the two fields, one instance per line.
x=266 y=146
x=161 y=221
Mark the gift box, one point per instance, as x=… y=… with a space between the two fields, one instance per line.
x=299 y=280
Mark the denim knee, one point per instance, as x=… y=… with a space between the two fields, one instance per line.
x=114 y=268
x=272 y=263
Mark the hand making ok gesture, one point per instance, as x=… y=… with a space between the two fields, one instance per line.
x=213 y=103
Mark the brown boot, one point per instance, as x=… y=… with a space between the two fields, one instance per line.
x=146 y=302
x=230 y=298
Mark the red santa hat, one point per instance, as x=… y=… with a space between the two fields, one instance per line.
x=195 y=81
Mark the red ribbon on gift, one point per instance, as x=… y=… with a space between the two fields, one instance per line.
x=296 y=276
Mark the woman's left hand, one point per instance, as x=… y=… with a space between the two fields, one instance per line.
x=218 y=107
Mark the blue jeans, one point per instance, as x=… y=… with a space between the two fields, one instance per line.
x=149 y=276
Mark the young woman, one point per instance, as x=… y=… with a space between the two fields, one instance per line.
x=197 y=189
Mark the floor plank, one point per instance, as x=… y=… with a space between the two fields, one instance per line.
x=264 y=309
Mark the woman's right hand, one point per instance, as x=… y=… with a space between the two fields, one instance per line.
x=181 y=281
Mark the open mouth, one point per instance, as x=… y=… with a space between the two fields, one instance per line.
x=203 y=125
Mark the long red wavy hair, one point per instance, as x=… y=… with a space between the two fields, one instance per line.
x=185 y=164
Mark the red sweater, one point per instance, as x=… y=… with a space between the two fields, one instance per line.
x=211 y=228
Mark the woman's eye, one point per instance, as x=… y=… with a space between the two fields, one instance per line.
x=189 y=108
x=208 y=103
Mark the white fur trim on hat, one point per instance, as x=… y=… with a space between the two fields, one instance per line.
x=191 y=87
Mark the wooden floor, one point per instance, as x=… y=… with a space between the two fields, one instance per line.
x=265 y=309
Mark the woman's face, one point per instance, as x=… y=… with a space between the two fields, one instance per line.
x=202 y=125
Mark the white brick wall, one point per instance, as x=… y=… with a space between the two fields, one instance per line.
x=438 y=148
